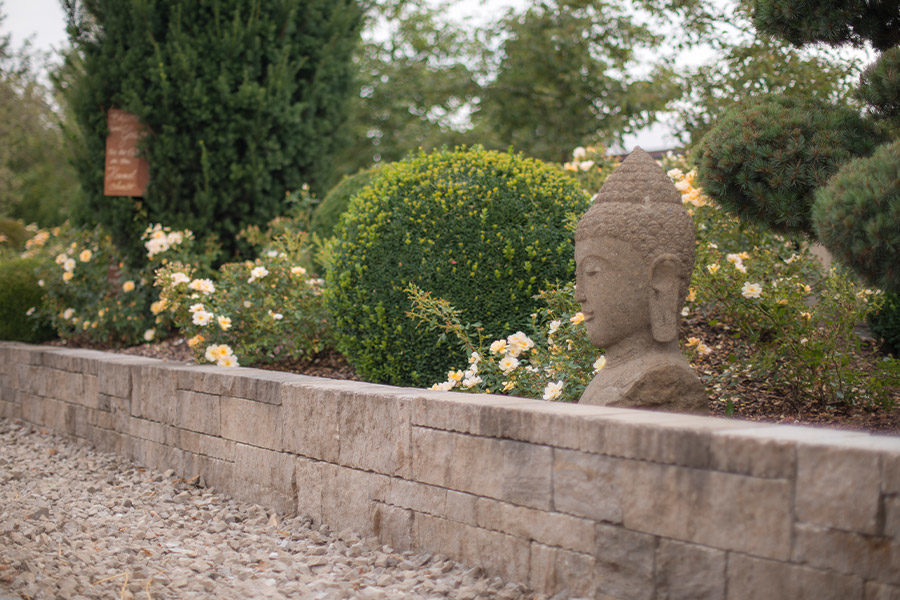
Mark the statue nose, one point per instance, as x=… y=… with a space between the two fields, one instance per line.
x=579 y=297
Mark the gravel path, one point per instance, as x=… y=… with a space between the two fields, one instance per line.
x=78 y=523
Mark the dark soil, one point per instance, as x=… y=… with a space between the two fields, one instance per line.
x=747 y=398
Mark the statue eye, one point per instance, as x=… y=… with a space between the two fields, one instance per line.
x=593 y=266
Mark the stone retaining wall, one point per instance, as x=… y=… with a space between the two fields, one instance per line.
x=604 y=503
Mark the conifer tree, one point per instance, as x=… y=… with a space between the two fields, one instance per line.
x=765 y=160
x=241 y=98
x=851 y=204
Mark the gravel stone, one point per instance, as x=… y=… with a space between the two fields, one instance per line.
x=82 y=524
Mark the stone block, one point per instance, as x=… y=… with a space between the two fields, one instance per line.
x=7 y=393
x=880 y=591
x=722 y=510
x=310 y=421
x=264 y=477
x=420 y=497
x=114 y=376
x=838 y=487
x=497 y=553
x=429 y=499
x=65 y=385
x=251 y=422
x=751 y=578
x=215 y=473
x=375 y=433
x=348 y=498
x=746 y=452
x=624 y=563
x=148 y=430
x=507 y=470
x=555 y=424
x=547 y=528
x=310 y=478
x=666 y=438
x=196 y=411
x=153 y=455
x=499 y=416
x=203 y=444
x=120 y=410
x=393 y=526
x=74 y=360
x=460 y=507
x=101 y=419
x=10 y=410
x=252 y=384
x=891 y=473
x=868 y=556
x=154 y=396
x=81 y=417
x=69 y=415
x=32 y=379
x=103 y=402
x=91 y=391
x=49 y=413
x=587 y=485
x=892 y=517
x=108 y=440
x=689 y=572
x=32 y=408
x=556 y=571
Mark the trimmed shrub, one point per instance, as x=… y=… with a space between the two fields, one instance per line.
x=834 y=22
x=335 y=203
x=857 y=216
x=485 y=231
x=885 y=323
x=19 y=293
x=243 y=100
x=763 y=161
x=879 y=85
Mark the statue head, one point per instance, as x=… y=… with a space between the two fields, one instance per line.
x=634 y=251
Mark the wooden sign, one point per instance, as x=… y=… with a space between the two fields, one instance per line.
x=126 y=173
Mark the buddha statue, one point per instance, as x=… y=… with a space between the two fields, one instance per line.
x=634 y=252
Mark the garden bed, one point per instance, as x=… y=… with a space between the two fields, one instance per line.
x=759 y=400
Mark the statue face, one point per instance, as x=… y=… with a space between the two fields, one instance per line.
x=611 y=284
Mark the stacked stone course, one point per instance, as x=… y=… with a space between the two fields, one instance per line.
x=606 y=503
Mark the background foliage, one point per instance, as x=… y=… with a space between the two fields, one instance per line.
x=36 y=180
x=242 y=99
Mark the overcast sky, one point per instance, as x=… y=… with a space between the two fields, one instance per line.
x=44 y=23
x=44 y=19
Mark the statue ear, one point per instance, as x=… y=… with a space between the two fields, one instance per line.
x=665 y=284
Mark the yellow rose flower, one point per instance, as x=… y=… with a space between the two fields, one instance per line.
x=128 y=286
x=158 y=306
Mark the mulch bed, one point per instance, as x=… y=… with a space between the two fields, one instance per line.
x=751 y=399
